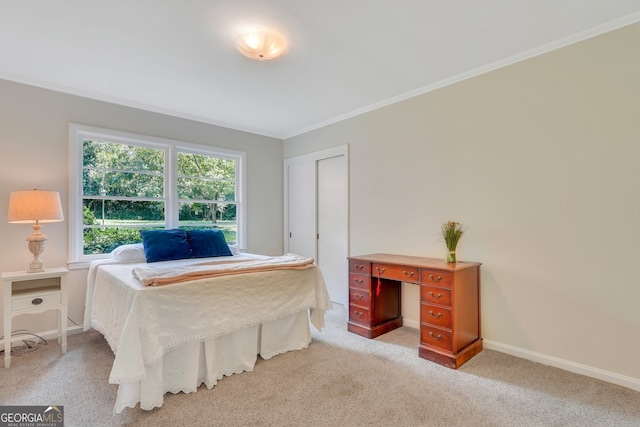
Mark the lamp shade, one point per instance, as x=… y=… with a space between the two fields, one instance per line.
x=29 y=206
x=261 y=45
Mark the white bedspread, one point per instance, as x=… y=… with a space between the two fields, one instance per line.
x=141 y=324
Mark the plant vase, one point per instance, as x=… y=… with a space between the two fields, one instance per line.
x=451 y=256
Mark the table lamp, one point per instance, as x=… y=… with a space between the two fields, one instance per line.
x=35 y=206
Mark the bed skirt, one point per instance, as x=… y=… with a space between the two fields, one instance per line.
x=185 y=368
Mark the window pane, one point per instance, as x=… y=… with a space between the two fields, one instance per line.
x=210 y=215
x=113 y=169
x=112 y=155
x=205 y=189
x=96 y=182
x=197 y=165
x=111 y=223
x=104 y=240
x=202 y=177
x=122 y=213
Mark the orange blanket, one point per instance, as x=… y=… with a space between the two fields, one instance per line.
x=150 y=276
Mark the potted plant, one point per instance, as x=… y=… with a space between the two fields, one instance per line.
x=451 y=233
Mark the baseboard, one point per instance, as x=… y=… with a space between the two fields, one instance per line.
x=410 y=323
x=567 y=365
x=76 y=329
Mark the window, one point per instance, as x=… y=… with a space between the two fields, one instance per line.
x=122 y=183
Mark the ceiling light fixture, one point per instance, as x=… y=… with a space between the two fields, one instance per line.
x=261 y=45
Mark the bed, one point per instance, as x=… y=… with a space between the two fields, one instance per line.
x=178 y=335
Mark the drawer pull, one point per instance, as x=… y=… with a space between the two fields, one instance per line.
x=358 y=296
x=434 y=278
x=435 y=337
x=437 y=316
x=358 y=266
x=36 y=301
x=381 y=270
x=358 y=281
x=358 y=313
x=408 y=274
x=434 y=295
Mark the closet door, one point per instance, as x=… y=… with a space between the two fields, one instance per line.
x=317 y=214
x=302 y=209
x=332 y=220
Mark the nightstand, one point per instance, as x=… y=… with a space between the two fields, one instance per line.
x=30 y=293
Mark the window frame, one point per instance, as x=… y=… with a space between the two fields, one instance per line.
x=78 y=133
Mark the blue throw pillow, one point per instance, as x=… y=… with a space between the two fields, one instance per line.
x=208 y=243
x=165 y=245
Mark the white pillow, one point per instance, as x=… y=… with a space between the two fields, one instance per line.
x=133 y=252
x=235 y=250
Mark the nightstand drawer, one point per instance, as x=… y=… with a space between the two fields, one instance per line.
x=34 y=301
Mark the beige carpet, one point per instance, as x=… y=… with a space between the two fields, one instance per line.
x=340 y=380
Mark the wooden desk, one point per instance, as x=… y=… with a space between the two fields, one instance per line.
x=449 y=303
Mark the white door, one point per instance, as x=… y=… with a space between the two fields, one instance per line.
x=332 y=214
x=317 y=214
x=302 y=209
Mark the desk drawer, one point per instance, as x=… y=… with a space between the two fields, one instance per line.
x=359 y=315
x=359 y=297
x=359 y=267
x=35 y=301
x=435 y=315
x=432 y=295
x=436 y=278
x=396 y=272
x=359 y=281
x=436 y=337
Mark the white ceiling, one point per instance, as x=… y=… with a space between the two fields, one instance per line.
x=345 y=57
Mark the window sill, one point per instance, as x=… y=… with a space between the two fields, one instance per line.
x=78 y=265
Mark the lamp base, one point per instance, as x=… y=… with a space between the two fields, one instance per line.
x=35 y=267
x=37 y=242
